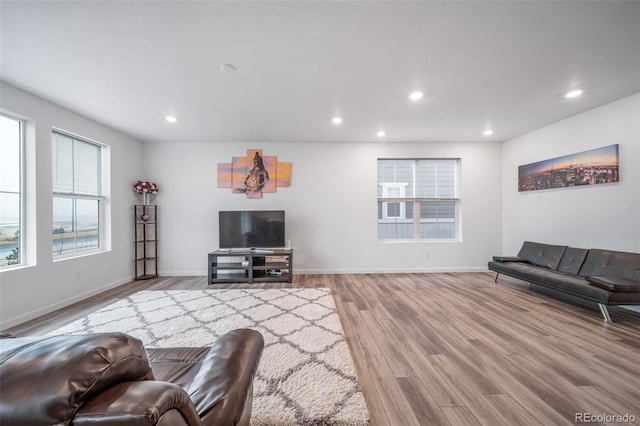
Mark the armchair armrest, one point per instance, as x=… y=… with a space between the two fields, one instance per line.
x=222 y=389
x=508 y=259
x=139 y=403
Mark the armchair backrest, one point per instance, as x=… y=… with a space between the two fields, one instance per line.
x=45 y=380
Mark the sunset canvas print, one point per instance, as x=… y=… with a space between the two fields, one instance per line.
x=596 y=166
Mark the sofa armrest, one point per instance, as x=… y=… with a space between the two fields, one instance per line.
x=138 y=403
x=620 y=285
x=222 y=390
x=508 y=259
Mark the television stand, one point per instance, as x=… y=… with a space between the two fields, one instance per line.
x=249 y=266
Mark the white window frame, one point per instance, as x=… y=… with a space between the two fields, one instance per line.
x=101 y=198
x=417 y=203
x=22 y=194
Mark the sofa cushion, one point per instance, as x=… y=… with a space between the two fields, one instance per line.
x=522 y=270
x=545 y=255
x=572 y=260
x=616 y=284
x=177 y=365
x=572 y=284
x=567 y=283
x=58 y=374
x=607 y=263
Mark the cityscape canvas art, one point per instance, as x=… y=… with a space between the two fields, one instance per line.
x=596 y=166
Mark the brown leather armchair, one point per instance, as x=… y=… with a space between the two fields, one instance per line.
x=111 y=379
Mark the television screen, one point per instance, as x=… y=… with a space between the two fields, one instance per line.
x=251 y=229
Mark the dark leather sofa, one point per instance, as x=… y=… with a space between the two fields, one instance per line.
x=605 y=277
x=111 y=379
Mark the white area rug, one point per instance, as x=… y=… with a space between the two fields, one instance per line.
x=306 y=375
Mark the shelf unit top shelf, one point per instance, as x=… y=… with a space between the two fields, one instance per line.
x=254 y=253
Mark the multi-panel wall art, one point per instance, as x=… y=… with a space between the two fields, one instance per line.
x=596 y=166
x=254 y=174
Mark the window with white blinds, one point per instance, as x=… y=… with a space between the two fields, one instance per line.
x=78 y=200
x=11 y=192
x=418 y=199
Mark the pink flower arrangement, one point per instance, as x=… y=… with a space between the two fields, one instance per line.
x=143 y=186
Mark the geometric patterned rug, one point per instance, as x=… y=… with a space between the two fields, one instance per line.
x=305 y=376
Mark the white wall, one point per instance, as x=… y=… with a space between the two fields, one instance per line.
x=44 y=285
x=331 y=207
x=600 y=216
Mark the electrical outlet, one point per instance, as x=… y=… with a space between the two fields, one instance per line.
x=427 y=254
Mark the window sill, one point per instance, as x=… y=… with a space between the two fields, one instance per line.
x=76 y=255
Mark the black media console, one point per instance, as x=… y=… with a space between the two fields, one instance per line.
x=249 y=266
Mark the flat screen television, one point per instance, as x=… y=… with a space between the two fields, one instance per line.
x=251 y=229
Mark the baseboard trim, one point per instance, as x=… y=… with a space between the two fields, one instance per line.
x=182 y=273
x=11 y=322
x=387 y=271
x=343 y=271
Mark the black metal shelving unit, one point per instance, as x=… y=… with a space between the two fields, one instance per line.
x=145 y=219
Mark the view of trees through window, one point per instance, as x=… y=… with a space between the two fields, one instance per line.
x=417 y=199
x=10 y=191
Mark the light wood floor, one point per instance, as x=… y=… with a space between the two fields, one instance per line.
x=440 y=349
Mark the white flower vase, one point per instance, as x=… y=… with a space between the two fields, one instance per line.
x=146 y=198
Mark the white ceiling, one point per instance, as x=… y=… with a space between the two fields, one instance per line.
x=499 y=64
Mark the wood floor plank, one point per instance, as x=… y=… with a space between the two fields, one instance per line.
x=509 y=411
x=460 y=416
x=603 y=401
x=456 y=348
x=398 y=410
x=368 y=381
x=558 y=393
x=520 y=391
x=390 y=349
x=422 y=403
x=441 y=389
x=470 y=392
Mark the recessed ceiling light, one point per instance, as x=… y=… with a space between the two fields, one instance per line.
x=416 y=96
x=171 y=119
x=488 y=132
x=336 y=120
x=228 y=68
x=381 y=133
x=573 y=93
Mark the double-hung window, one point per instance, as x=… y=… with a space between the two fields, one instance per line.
x=418 y=199
x=11 y=192
x=78 y=200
